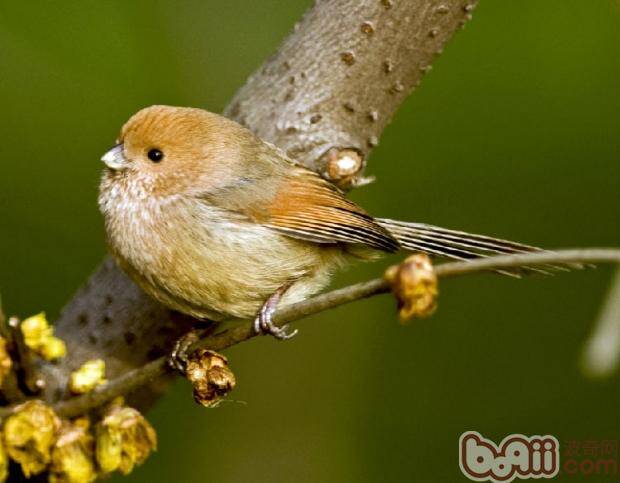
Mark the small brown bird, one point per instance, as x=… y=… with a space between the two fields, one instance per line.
x=215 y=223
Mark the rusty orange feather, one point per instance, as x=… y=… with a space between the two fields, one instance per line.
x=309 y=208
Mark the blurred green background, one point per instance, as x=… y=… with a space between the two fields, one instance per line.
x=514 y=133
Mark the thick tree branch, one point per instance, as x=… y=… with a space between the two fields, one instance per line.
x=138 y=377
x=338 y=80
x=335 y=82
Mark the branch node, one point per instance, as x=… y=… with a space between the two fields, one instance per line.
x=414 y=284
x=210 y=375
x=343 y=167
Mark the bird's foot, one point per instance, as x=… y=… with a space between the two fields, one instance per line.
x=263 y=324
x=180 y=353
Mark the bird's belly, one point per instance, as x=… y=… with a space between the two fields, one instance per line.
x=228 y=269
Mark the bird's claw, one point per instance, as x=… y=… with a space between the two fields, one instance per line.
x=263 y=324
x=179 y=355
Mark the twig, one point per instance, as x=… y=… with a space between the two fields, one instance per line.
x=10 y=384
x=601 y=352
x=142 y=375
x=3 y=327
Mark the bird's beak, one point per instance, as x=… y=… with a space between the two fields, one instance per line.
x=115 y=158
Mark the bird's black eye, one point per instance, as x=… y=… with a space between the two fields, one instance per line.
x=155 y=155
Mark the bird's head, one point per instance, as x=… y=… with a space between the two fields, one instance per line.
x=175 y=150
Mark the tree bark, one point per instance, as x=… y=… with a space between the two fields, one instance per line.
x=334 y=84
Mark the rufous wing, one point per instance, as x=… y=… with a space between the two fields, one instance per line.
x=307 y=207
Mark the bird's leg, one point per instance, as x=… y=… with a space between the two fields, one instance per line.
x=179 y=355
x=264 y=325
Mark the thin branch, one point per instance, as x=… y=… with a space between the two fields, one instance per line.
x=143 y=375
x=2 y=318
x=601 y=352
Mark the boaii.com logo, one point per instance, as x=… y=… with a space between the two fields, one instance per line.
x=517 y=456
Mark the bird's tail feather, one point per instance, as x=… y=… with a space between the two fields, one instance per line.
x=460 y=245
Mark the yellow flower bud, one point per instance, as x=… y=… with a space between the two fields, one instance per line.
x=29 y=434
x=4 y=463
x=210 y=375
x=124 y=439
x=39 y=337
x=53 y=348
x=5 y=360
x=36 y=330
x=72 y=455
x=414 y=285
x=87 y=377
